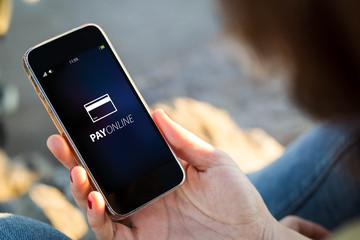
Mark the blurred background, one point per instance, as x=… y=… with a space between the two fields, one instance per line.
x=180 y=59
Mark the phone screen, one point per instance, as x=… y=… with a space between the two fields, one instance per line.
x=109 y=125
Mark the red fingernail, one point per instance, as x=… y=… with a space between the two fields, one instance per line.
x=89 y=203
x=168 y=114
x=70 y=174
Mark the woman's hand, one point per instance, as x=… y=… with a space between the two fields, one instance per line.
x=217 y=201
x=307 y=228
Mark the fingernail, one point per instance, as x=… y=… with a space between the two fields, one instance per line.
x=89 y=203
x=70 y=174
x=168 y=114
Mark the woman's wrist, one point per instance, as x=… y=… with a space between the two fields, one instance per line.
x=266 y=227
x=274 y=230
x=284 y=233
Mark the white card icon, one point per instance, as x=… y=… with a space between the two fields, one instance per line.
x=100 y=108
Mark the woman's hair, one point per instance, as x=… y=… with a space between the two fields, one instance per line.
x=320 y=41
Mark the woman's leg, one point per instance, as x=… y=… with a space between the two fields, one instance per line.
x=14 y=227
x=317 y=177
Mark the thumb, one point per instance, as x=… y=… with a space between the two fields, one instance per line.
x=100 y=223
x=304 y=227
x=186 y=145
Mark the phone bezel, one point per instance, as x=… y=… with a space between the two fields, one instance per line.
x=61 y=128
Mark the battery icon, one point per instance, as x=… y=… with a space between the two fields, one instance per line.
x=101 y=47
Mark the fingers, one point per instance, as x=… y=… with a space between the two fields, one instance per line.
x=93 y=204
x=80 y=186
x=60 y=149
x=100 y=223
x=186 y=145
x=306 y=228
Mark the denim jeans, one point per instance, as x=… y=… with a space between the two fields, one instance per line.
x=14 y=227
x=318 y=176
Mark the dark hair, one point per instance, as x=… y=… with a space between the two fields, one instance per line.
x=319 y=39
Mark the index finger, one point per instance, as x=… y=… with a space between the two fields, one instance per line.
x=60 y=149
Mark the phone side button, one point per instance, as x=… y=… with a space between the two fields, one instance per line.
x=44 y=102
x=37 y=89
x=46 y=105
x=32 y=79
x=48 y=109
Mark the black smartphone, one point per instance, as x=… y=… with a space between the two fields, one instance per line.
x=95 y=105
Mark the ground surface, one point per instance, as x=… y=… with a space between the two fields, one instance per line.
x=172 y=49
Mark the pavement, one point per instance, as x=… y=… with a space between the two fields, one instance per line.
x=146 y=34
x=171 y=48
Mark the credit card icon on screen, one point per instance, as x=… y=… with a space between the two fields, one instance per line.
x=100 y=108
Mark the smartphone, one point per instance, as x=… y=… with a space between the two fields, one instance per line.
x=97 y=108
